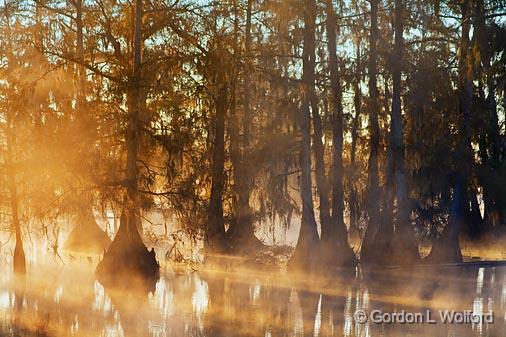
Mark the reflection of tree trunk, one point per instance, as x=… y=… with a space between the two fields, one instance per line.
x=309 y=307
x=279 y=301
x=368 y=249
x=308 y=234
x=214 y=319
x=332 y=311
x=336 y=239
x=132 y=305
x=19 y=285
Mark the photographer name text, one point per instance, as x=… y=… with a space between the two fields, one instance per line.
x=425 y=317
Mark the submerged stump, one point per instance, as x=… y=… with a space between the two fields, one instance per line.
x=128 y=264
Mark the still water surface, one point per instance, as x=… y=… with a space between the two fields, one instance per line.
x=68 y=301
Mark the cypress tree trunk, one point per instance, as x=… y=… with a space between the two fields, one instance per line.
x=321 y=176
x=243 y=239
x=447 y=248
x=214 y=240
x=19 y=260
x=234 y=128
x=474 y=224
x=405 y=247
x=336 y=243
x=492 y=138
x=308 y=239
x=369 y=251
x=81 y=72
x=357 y=103
x=127 y=254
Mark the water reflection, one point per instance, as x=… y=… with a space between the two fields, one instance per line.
x=70 y=302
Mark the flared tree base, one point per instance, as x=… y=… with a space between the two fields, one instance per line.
x=375 y=252
x=128 y=263
x=444 y=251
x=19 y=259
x=246 y=244
x=87 y=239
x=304 y=257
x=403 y=251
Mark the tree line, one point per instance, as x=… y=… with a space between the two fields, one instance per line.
x=381 y=120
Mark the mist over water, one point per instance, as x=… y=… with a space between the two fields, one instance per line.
x=56 y=300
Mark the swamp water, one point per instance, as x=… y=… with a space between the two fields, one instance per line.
x=67 y=300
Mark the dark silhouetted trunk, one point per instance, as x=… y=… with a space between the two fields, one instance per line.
x=357 y=103
x=243 y=239
x=233 y=131
x=335 y=241
x=308 y=235
x=386 y=222
x=404 y=247
x=369 y=251
x=491 y=146
x=215 y=234
x=446 y=248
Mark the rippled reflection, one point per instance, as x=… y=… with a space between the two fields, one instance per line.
x=68 y=301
